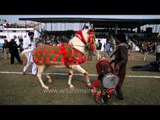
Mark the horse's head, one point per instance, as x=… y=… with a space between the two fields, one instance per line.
x=91 y=38
x=87 y=36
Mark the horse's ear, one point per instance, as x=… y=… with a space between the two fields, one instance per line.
x=91 y=27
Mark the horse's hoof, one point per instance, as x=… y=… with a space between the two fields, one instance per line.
x=71 y=87
x=50 y=81
x=46 y=87
x=89 y=85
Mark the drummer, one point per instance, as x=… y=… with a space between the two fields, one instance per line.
x=99 y=90
x=120 y=62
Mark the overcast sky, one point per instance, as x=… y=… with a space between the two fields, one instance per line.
x=15 y=18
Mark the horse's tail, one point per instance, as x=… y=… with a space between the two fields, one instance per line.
x=23 y=56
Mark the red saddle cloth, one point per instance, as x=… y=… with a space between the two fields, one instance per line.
x=57 y=55
x=104 y=65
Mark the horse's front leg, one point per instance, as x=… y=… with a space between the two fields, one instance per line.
x=85 y=73
x=39 y=75
x=70 y=79
x=47 y=75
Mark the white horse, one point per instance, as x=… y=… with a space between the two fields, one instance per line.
x=67 y=55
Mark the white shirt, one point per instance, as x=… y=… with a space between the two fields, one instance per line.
x=27 y=42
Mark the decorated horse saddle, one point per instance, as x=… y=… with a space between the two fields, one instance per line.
x=58 y=55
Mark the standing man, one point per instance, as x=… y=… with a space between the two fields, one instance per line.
x=107 y=48
x=158 y=52
x=99 y=45
x=158 y=49
x=30 y=43
x=13 y=49
x=5 y=49
x=121 y=59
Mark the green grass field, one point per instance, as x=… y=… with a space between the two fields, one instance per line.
x=18 y=89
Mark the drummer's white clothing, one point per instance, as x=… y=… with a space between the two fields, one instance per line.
x=30 y=61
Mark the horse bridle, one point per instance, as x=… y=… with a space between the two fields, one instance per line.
x=80 y=36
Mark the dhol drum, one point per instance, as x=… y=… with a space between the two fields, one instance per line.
x=109 y=83
x=110 y=80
